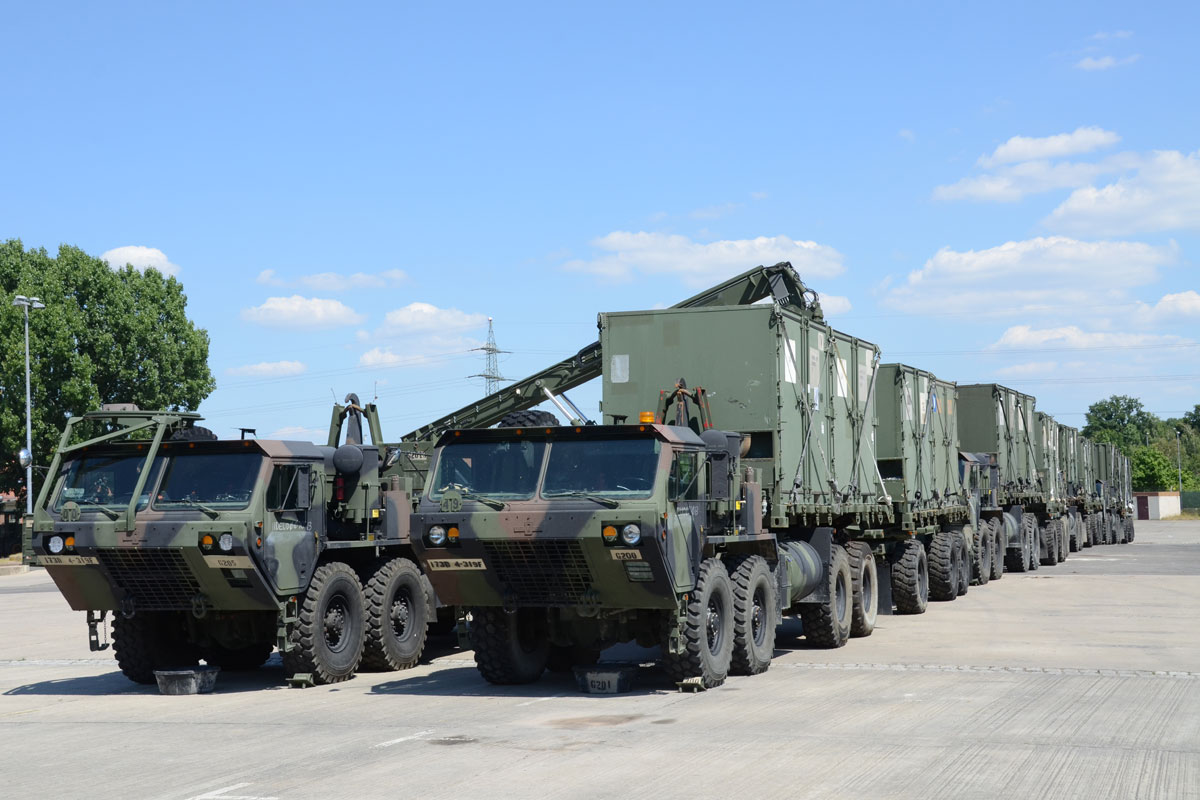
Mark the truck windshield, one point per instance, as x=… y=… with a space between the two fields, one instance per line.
x=609 y=467
x=105 y=481
x=217 y=480
x=501 y=470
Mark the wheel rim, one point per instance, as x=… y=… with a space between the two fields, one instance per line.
x=337 y=623
x=712 y=624
x=758 y=616
x=400 y=614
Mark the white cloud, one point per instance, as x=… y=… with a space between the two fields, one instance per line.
x=624 y=254
x=1163 y=195
x=297 y=433
x=1104 y=62
x=907 y=135
x=1030 y=148
x=337 y=282
x=140 y=258
x=1181 y=304
x=834 y=304
x=269 y=369
x=1101 y=36
x=1071 y=337
x=1011 y=183
x=428 y=318
x=313 y=313
x=1028 y=369
x=1035 y=274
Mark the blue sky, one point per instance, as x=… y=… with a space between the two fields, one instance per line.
x=992 y=193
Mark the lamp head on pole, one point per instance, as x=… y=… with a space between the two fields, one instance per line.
x=29 y=302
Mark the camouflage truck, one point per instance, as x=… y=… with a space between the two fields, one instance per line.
x=999 y=426
x=761 y=498
x=223 y=550
x=1072 y=463
x=1114 y=524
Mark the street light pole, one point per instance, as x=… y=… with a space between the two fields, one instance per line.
x=27 y=456
x=1179 y=462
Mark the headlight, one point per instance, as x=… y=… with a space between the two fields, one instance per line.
x=55 y=545
x=226 y=542
x=631 y=534
x=437 y=536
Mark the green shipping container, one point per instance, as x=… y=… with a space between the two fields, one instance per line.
x=801 y=391
x=918 y=438
x=998 y=420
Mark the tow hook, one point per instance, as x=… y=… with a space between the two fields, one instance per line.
x=93 y=621
x=199 y=606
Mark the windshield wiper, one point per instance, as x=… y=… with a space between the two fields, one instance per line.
x=487 y=501
x=210 y=512
x=607 y=502
x=108 y=512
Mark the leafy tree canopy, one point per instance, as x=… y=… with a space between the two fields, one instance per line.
x=105 y=336
x=1121 y=420
x=1152 y=471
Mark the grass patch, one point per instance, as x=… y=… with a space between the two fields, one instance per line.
x=1188 y=513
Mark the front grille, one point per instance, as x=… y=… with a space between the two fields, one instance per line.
x=157 y=580
x=547 y=572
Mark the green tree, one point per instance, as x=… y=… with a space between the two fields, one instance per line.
x=1121 y=420
x=1152 y=471
x=105 y=336
x=1192 y=418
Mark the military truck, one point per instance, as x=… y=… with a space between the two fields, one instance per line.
x=751 y=493
x=223 y=550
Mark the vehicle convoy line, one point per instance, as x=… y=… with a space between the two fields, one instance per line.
x=751 y=465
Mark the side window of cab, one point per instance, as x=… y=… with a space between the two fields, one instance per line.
x=289 y=488
x=685 y=476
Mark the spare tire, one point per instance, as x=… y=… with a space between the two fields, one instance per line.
x=533 y=418
x=195 y=433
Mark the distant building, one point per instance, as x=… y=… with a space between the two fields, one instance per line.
x=1157 y=505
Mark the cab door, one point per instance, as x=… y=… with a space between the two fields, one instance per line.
x=294 y=525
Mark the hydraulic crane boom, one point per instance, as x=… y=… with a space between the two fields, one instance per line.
x=779 y=282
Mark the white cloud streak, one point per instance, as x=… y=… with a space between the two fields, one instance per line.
x=140 y=258
x=269 y=369
x=1030 y=148
x=336 y=281
x=312 y=313
x=428 y=318
x=1031 y=275
x=1090 y=64
x=1164 y=194
x=624 y=254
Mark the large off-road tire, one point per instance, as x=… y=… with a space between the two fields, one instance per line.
x=707 y=631
x=195 y=433
x=510 y=648
x=1049 y=537
x=755 y=601
x=1128 y=531
x=864 y=581
x=532 y=418
x=327 y=640
x=1017 y=559
x=150 y=640
x=1063 y=538
x=239 y=659
x=910 y=579
x=827 y=624
x=1074 y=539
x=943 y=566
x=1085 y=530
x=981 y=554
x=1034 y=534
x=397 y=617
x=995 y=526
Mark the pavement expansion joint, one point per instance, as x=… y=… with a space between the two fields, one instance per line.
x=1114 y=673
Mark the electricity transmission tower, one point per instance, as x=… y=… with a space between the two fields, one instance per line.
x=491 y=370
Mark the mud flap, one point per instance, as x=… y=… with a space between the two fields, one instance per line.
x=883 y=570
